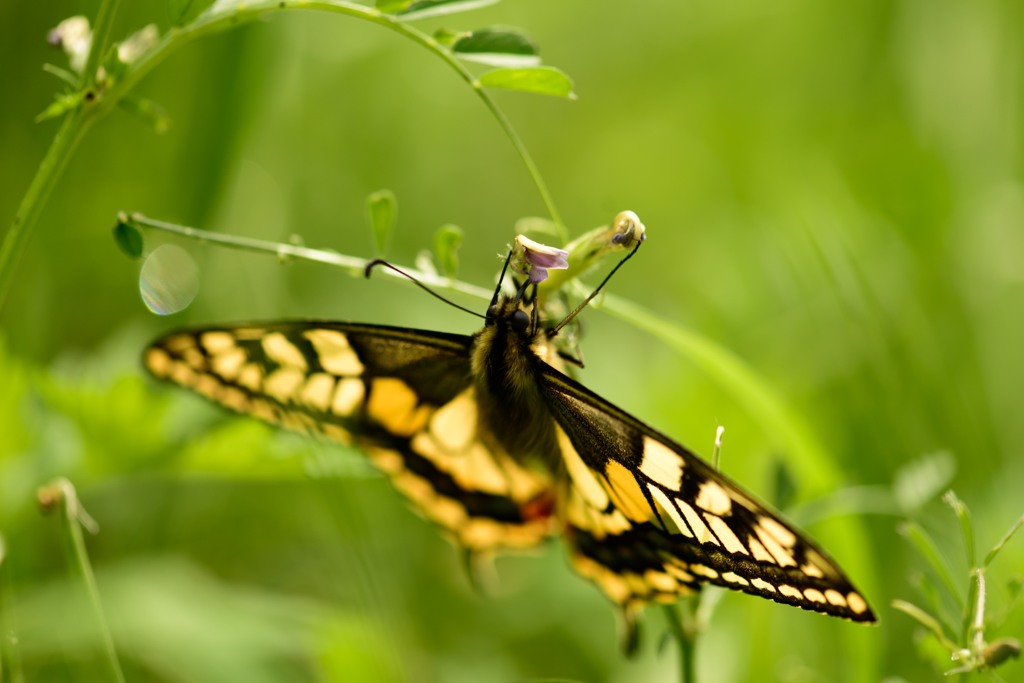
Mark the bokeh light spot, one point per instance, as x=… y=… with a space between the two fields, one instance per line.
x=169 y=280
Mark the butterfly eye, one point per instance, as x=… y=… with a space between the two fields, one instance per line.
x=492 y=312
x=520 y=321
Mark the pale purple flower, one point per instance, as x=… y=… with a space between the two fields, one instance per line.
x=534 y=259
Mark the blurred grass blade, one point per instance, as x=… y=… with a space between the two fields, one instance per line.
x=925 y=545
x=437 y=8
x=541 y=80
x=382 y=207
x=926 y=620
x=447 y=241
x=61 y=495
x=1002 y=541
x=497 y=47
x=966 y=526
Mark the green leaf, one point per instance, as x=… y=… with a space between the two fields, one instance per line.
x=497 y=47
x=447 y=37
x=447 y=241
x=128 y=237
x=151 y=113
x=436 y=8
x=392 y=6
x=183 y=11
x=543 y=80
x=64 y=102
x=382 y=206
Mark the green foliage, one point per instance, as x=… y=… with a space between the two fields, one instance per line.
x=832 y=273
x=382 y=208
x=542 y=80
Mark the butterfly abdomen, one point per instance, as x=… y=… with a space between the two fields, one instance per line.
x=506 y=372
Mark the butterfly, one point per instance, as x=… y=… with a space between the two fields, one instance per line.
x=489 y=438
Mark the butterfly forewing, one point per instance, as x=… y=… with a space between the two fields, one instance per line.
x=649 y=520
x=403 y=396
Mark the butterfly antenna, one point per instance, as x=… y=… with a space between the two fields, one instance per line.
x=381 y=262
x=554 y=330
x=501 y=279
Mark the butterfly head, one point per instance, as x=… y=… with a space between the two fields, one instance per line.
x=511 y=314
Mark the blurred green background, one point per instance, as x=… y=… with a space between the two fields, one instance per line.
x=833 y=192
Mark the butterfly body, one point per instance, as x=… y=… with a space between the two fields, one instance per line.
x=487 y=438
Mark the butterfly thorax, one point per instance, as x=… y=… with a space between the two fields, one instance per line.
x=506 y=367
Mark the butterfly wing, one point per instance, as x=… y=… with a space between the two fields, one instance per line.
x=404 y=396
x=649 y=520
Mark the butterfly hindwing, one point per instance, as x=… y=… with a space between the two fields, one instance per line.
x=404 y=396
x=649 y=520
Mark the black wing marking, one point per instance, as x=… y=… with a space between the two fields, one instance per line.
x=402 y=395
x=649 y=520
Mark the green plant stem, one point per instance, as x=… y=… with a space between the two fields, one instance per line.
x=78 y=120
x=57 y=156
x=61 y=494
x=100 y=39
x=683 y=626
x=351 y=263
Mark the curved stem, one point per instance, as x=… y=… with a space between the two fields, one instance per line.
x=50 y=169
x=78 y=120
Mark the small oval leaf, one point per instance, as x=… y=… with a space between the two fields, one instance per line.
x=497 y=47
x=543 y=80
x=436 y=8
x=128 y=238
x=382 y=206
x=447 y=241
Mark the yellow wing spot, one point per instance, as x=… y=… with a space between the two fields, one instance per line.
x=726 y=535
x=778 y=532
x=663 y=465
x=733 y=577
x=834 y=597
x=758 y=551
x=283 y=352
x=626 y=492
x=282 y=383
x=386 y=460
x=582 y=477
x=194 y=357
x=665 y=505
x=761 y=584
x=208 y=386
x=395 y=407
x=481 y=533
x=453 y=426
x=701 y=570
x=334 y=352
x=677 y=569
x=228 y=363
x=300 y=422
x=779 y=554
x=335 y=432
x=159 y=362
x=660 y=581
x=856 y=603
x=698 y=527
x=712 y=498
x=347 y=396
x=814 y=595
x=473 y=470
x=416 y=488
x=262 y=409
x=447 y=512
x=217 y=342
x=611 y=583
x=791 y=592
x=822 y=566
x=251 y=377
x=317 y=392
x=812 y=570
x=179 y=342
x=183 y=374
x=234 y=398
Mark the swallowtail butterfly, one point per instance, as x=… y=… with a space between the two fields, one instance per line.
x=488 y=438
